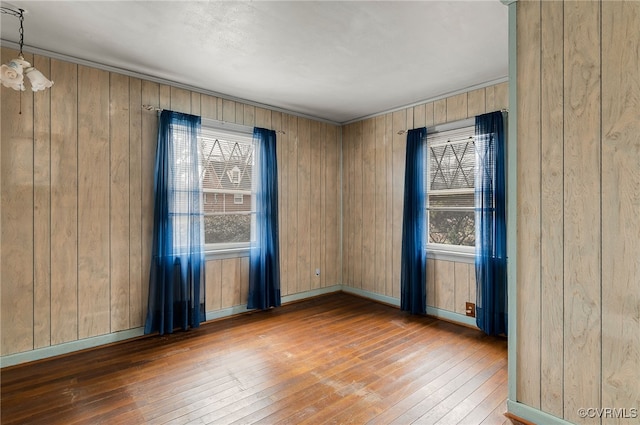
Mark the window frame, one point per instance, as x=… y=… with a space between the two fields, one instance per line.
x=237 y=133
x=438 y=250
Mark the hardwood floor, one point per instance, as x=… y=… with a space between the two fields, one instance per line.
x=335 y=359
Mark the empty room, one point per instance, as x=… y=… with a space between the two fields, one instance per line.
x=310 y=212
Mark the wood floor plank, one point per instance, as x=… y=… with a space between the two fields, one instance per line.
x=331 y=359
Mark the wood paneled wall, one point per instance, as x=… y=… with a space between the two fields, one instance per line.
x=77 y=203
x=373 y=191
x=578 y=276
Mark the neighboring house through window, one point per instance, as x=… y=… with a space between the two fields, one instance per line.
x=227 y=176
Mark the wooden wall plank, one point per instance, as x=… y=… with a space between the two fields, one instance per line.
x=389 y=138
x=444 y=281
x=461 y=287
x=419 y=115
x=239 y=119
x=551 y=243
x=292 y=202
x=119 y=200
x=528 y=238
x=357 y=222
x=476 y=102
x=64 y=202
x=472 y=283
x=399 y=152
x=325 y=145
x=263 y=117
x=213 y=287
x=457 y=107
x=620 y=205
x=196 y=101
x=303 y=281
x=209 y=107
x=41 y=210
x=440 y=111
x=228 y=110
x=428 y=112
x=180 y=100
x=368 y=205
x=249 y=115
x=380 y=199
x=150 y=96
x=582 y=260
x=315 y=202
x=244 y=280
x=332 y=218
x=165 y=96
x=93 y=203
x=230 y=282
x=137 y=275
x=17 y=179
x=432 y=295
x=347 y=179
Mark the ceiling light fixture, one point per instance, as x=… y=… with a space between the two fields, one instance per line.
x=12 y=74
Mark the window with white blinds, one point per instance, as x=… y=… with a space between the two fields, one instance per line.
x=228 y=160
x=450 y=174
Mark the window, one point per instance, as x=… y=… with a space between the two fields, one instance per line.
x=450 y=174
x=227 y=176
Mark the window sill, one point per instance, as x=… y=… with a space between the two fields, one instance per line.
x=451 y=255
x=222 y=253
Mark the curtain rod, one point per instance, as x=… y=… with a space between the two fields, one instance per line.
x=222 y=125
x=450 y=125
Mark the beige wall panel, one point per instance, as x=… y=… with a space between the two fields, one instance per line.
x=358 y=188
x=64 y=202
x=150 y=96
x=620 y=205
x=283 y=207
x=165 y=96
x=231 y=284
x=196 y=103
x=444 y=281
x=137 y=275
x=303 y=282
x=380 y=199
x=399 y=153
x=17 y=152
x=263 y=118
x=528 y=237
x=219 y=108
x=322 y=223
x=228 y=110
x=461 y=287
x=332 y=218
x=389 y=137
x=419 y=116
x=244 y=280
x=315 y=202
x=551 y=242
x=249 y=115
x=93 y=203
x=582 y=261
x=180 y=100
x=472 y=282
x=431 y=282
x=41 y=210
x=119 y=201
x=476 y=102
x=440 y=111
x=428 y=112
x=239 y=113
x=213 y=286
x=209 y=107
x=347 y=177
x=457 y=107
x=368 y=204
x=291 y=281
x=501 y=98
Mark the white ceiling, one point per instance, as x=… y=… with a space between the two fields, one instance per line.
x=337 y=61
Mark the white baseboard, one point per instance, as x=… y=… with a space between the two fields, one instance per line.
x=533 y=415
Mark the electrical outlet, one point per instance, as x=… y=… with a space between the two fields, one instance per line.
x=317 y=272
x=470 y=310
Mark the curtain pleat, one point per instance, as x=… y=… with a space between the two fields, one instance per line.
x=176 y=281
x=491 y=229
x=264 y=261
x=413 y=260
